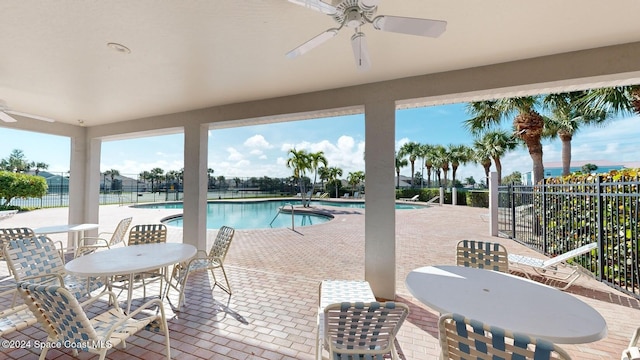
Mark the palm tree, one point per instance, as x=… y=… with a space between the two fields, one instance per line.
x=300 y=162
x=430 y=153
x=482 y=156
x=413 y=151
x=565 y=119
x=495 y=144
x=156 y=175
x=144 y=176
x=425 y=153
x=39 y=166
x=334 y=172
x=458 y=154
x=613 y=100
x=317 y=158
x=111 y=174
x=210 y=183
x=400 y=163
x=324 y=175
x=528 y=124
x=354 y=178
x=440 y=157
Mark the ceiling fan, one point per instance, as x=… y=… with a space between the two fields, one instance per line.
x=355 y=13
x=6 y=117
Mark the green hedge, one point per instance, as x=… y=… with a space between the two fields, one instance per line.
x=464 y=197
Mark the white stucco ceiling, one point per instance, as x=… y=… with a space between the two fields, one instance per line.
x=193 y=54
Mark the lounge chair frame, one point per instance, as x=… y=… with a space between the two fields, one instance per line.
x=555 y=268
x=632 y=352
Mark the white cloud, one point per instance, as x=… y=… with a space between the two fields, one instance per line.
x=234 y=155
x=401 y=142
x=256 y=152
x=257 y=141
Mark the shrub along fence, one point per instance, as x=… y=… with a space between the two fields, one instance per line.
x=565 y=213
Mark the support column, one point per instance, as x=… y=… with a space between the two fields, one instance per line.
x=380 y=215
x=84 y=179
x=493 y=203
x=194 y=226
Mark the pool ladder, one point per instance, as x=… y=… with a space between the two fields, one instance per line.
x=278 y=213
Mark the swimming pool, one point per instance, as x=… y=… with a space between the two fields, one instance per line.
x=245 y=215
x=259 y=214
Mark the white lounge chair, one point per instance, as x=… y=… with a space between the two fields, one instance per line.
x=553 y=268
x=345 y=196
x=633 y=351
x=414 y=198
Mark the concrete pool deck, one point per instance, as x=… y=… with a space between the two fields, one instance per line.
x=275 y=273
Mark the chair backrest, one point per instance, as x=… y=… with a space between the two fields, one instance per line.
x=147 y=234
x=35 y=256
x=222 y=242
x=483 y=255
x=570 y=254
x=362 y=328
x=464 y=338
x=120 y=232
x=8 y=234
x=59 y=312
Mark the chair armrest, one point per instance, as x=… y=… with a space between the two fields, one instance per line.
x=113 y=299
x=634 y=338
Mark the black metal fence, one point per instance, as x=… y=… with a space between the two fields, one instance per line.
x=129 y=189
x=556 y=218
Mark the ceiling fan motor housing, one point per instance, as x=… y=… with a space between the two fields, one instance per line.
x=351 y=14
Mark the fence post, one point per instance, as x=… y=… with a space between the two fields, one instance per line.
x=544 y=217
x=512 y=202
x=600 y=229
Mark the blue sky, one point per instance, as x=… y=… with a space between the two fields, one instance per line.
x=262 y=150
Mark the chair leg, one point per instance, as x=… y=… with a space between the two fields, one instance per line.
x=217 y=283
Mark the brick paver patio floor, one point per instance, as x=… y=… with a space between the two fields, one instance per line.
x=275 y=273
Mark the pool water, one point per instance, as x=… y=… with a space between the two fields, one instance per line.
x=247 y=215
x=259 y=214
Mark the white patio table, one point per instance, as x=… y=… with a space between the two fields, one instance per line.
x=507 y=301
x=77 y=230
x=130 y=260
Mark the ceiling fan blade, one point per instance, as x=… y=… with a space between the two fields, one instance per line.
x=410 y=26
x=309 y=45
x=360 y=51
x=6 y=118
x=316 y=5
x=368 y=4
x=37 y=117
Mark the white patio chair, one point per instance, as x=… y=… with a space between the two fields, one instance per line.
x=482 y=254
x=555 y=268
x=35 y=259
x=202 y=262
x=363 y=330
x=89 y=244
x=139 y=235
x=66 y=321
x=464 y=338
